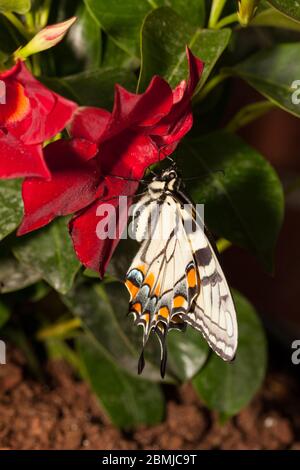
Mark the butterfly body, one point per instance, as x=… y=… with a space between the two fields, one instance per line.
x=175 y=279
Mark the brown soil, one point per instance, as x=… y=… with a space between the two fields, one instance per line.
x=65 y=415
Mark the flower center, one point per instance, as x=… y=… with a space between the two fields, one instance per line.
x=16 y=105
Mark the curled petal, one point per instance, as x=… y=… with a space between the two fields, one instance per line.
x=143 y=109
x=73 y=185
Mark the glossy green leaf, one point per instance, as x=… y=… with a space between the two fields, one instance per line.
x=164 y=37
x=11 y=206
x=192 y=11
x=128 y=400
x=228 y=387
x=50 y=252
x=187 y=353
x=272 y=72
x=275 y=19
x=114 y=56
x=242 y=194
x=93 y=88
x=14 y=275
x=122 y=20
x=4 y=313
x=290 y=8
x=18 y=6
x=84 y=39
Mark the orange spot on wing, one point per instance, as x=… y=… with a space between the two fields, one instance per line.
x=137 y=307
x=178 y=301
x=146 y=317
x=133 y=290
x=164 y=312
x=150 y=280
x=142 y=268
x=192 y=278
x=157 y=290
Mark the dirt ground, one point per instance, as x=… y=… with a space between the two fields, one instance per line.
x=65 y=415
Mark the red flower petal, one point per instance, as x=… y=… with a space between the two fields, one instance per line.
x=196 y=67
x=145 y=109
x=74 y=185
x=49 y=112
x=128 y=155
x=19 y=160
x=89 y=123
x=93 y=252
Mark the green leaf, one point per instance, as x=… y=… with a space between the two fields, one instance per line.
x=228 y=387
x=11 y=206
x=129 y=401
x=275 y=19
x=242 y=194
x=18 y=6
x=122 y=20
x=187 y=353
x=14 y=275
x=164 y=37
x=93 y=88
x=84 y=39
x=50 y=252
x=192 y=11
x=272 y=72
x=4 y=314
x=289 y=8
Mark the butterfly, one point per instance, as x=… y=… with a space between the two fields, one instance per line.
x=175 y=279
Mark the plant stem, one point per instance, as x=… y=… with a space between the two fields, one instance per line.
x=215 y=12
x=213 y=82
x=249 y=113
x=223 y=244
x=17 y=24
x=227 y=20
x=59 y=329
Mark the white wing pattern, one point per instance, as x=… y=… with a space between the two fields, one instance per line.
x=175 y=279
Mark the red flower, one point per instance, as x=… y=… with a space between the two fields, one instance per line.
x=31 y=114
x=141 y=130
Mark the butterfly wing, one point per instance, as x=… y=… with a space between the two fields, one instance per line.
x=176 y=279
x=162 y=279
x=213 y=311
